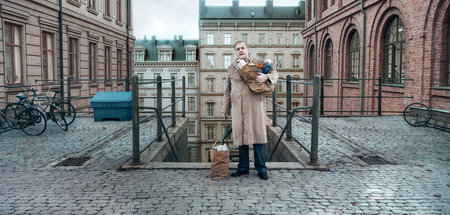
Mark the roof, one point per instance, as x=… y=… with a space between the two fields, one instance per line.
x=178 y=45
x=251 y=12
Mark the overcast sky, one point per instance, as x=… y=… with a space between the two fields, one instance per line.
x=166 y=18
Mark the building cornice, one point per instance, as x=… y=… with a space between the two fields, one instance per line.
x=166 y=64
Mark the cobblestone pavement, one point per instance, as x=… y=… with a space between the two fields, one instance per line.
x=418 y=182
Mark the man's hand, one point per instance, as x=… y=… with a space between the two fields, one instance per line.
x=261 y=78
x=225 y=116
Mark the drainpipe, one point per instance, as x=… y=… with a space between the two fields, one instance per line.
x=61 y=66
x=363 y=56
x=315 y=33
x=127 y=84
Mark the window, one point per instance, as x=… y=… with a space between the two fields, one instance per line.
x=73 y=58
x=140 y=76
x=328 y=60
x=332 y=2
x=227 y=39
x=119 y=64
x=308 y=10
x=190 y=55
x=354 y=57
x=92 y=61
x=48 y=56
x=295 y=87
x=295 y=61
x=227 y=61
x=210 y=39
x=191 y=79
x=279 y=39
x=107 y=63
x=261 y=56
x=175 y=76
x=107 y=8
x=191 y=103
x=13 y=54
x=165 y=56
x=324 y=5
x=279 y=61
x=210 y=132
x=155 y=75
x=210 y=108
x=210 y=82
x=279 y=87
x=395 y=52
x=311 y=62
x=245 y=37
x=191 y=129
x=262 y=39
x=296 y=39
x=139 y=56
x=295 y=104
x=211 y=61
x=119 y=10
x=91 y=4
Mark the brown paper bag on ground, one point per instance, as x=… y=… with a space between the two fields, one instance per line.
x=219 y=164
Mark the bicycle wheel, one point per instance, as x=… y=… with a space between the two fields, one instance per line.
x=417 y=114
x=32 y=121
x=12 y=110
x=58 y=117
x=68 y=111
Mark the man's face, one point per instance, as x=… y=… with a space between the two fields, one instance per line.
x=241 y=51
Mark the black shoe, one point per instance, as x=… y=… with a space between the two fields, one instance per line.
x=239 y=173
x=263 y=175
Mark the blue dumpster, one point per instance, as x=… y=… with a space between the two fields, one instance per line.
x=111 y=105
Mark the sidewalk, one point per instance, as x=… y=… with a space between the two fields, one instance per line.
x=418 y=182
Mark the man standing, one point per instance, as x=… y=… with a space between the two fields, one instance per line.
x=248 y=114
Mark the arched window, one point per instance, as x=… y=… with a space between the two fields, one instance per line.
x=311 y=64
x=395 y=52
x=354 y=57
x=328 y=67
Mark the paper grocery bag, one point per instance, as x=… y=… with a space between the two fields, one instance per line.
x=219 y=164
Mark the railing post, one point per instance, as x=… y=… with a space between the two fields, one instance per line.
x=135 y=118
x=315 y=123
x=274 y=106
x=173 y=101
x=321 y=96
x=379 y=96
x=288 y=106
x=159 y=106
x=184 y=96
x=69 y=87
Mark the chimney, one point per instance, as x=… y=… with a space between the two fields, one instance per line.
x=145 y=37
x=153 y=39
x=235 y=8
x=269 y=7
x=174 y=38
x=302 y=8
x=180 y=40
x=202 y=8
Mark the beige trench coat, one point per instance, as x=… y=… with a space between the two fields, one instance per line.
x=248 y=110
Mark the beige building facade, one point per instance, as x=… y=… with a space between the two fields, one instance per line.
x=271 y=33
x=94 y=35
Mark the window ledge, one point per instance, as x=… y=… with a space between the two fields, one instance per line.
x=107 y=18
x=108 y=83
x=393 y=85
x=441 y=88
x=93 y=84
x=76 y=3
x=119 y=23
x=16 y=86
x=93 y=11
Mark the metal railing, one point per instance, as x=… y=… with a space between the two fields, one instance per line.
x=313 y=151
x=156 y=111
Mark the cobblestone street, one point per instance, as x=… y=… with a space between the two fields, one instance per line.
x=417 y=183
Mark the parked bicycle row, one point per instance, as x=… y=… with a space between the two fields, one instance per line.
x=31 y=112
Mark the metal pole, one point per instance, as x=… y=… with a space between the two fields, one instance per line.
x=288 y=106
x=159 y=106
x=274 y=107
x=379 y=96
x=127 y=84
x=184 y=96
x=135 y=118
x=61 y=62
x=321 y=96
x=173 y=102
x=315 y=123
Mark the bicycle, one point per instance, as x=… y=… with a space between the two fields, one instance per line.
x=66 y=108
x=53 y=113
x=30 y=120
x=417 y=114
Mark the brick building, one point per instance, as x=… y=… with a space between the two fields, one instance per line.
x=406 y=42
x=94 y=35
